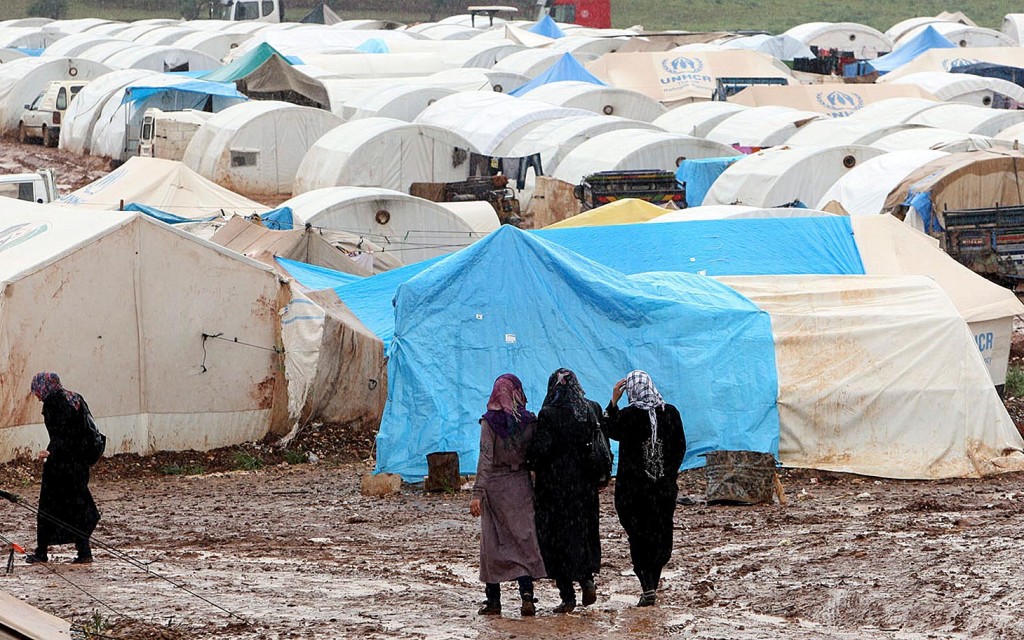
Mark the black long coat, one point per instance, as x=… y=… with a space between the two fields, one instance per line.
x=568 y=510
x=64 y=495
x=645 y=506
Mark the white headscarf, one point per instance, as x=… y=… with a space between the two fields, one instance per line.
x=642 y=394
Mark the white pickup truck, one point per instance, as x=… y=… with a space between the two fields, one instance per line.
x=40 y=187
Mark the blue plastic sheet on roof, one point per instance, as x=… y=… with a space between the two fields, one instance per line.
x=991 y=70
x=567 y=68
x=929 y=38
x=313 y=277
x=30 y=51
x=792 y=246
x=278 y=219
x=188 y=74
x=200 y=87
x=709 y=349
x=921 y=201
x=699 y=174
x=547 y=27
x=374 y=45
x=164 y=216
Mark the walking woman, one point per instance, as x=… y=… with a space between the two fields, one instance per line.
x=567 y=500
x=651 y=448
x=503 y=497
x=67 y=512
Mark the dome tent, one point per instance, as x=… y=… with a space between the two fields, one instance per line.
x=598 y=99
x=863 y=190
x=697 y=118
x=23 y=79
x=84 y=111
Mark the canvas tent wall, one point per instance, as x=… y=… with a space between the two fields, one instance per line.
x=927 y=409
x=104 y=50
x=925 y=40
x=163 y=35
x=74 y=45
x=963 y=87
x=892 y=110
x=84 y=111
x=600 y=304
x=865 y=42
x=412 y=228
x=962 y=35
x=1013 y=27
x=942 y=60
x=23 y=79
x=968 y=118
x=28 y=37
x=863 y=189
x=782 y=175
x=628 y=149
x=936 y=139
x=382 y=152
x=598 y=99
x=833 y=131
x=216 y=45
x=158 y=389
x=162 y=59
x=165 y=185
x=400 y=102
x=835 y=101
x=264 y=74
x=898 y=30
x=256 y=147
x=6 y=55
x=760 y=126
x=697 y=118
x=533 y=62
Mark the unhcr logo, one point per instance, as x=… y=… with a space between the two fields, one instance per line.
x=682 y=65
x=16 y=234
x=949 y=63
x=839 y=101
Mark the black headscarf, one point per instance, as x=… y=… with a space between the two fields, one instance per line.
x=564 y=390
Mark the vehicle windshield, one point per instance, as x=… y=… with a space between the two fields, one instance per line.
x=247 y=10
x=35 y=103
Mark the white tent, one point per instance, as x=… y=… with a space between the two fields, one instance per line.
x=6 y=55
x=897 y=31
x=137 y=29
x=761 y=126
x=74 y=45
x=533 y=62
x=553 y=139
x=167 y=35
x=1012 y=134
x=968 y=118
x=28 y=37
x=961 y=35
x=781 y=175
x=256 y=147
x=162 y=59
x=154 y=379
x=413 y=228
x=697 y=118
x=736 y=211
x=936 y=139
x=891 y=111
x=865 y=42
x=103 y=50
x=504 y=81
x=444 y=32
x=376 y=65
x=487 y=119
x=908 y=395
x=214 y=44
x=1013 y=27
x=457 y=53
x=166 y=185
x=108 y=28
x=400 y=102
x=84 y=111
x=597 y=46
x=862 y=191
x=23 y=79
x=342 y=90
x=833 y=131
x=963 y=87
x=627 y=149
x=609 y=101
x=383 y=152
x=781 y=47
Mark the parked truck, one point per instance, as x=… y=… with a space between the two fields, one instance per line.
x=603 y=187
x=39 y=186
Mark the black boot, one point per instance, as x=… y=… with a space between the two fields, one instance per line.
x=492 y=607
x=529 y=608
x=648 y=598
x=568 y=595
x=589 y=592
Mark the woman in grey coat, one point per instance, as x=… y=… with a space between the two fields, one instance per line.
x=503 y=498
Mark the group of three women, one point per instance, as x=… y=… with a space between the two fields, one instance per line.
x=547 y=525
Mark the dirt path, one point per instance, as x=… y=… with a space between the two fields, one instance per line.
x=299 y=553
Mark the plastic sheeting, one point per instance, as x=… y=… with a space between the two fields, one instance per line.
x=547 y=27
x=709 y=350
x=313 y=277
x=927 y=39
x=624 y=211
x=699 y=174
x=567 y=69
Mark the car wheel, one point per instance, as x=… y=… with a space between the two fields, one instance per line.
x=51 y=137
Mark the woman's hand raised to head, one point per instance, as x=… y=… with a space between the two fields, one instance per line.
x=617 y=390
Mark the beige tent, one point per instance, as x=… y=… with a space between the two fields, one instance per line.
x=835 y=100
x=946 y=59
x=21 y=621
x=166 y=185
x=677 y=77
x=174 y=341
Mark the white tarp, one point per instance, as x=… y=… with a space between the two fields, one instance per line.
x=781 y=175
x=968 y=118
x=257 y=146
x=936 y=139
x=22 y=80
x=833 y=131
x=880 y=376
x=84 y=111
x=891 y=111
x=965 y=36
x=161 y=59
x=601 y=100
x=401 y=102
x=865 y=42
x=382 y=152
x=697 y=118
x=761 y=126
x=152 y=380
x=963 y=87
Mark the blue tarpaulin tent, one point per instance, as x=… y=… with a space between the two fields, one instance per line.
x=929 y=38
x=314 y=277
x=374 y=45
x=547 y=27
x=192 y=87
x=992 y=70
x=279 y=219
x=699 y=174
x=164 y=216
x=709 y=349
x=567 y=68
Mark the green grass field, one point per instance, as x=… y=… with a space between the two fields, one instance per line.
x=695 y=15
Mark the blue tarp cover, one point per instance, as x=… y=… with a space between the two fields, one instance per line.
x=514 y=302
x=699 y=174
x=374 y=45
x=991 y=70
x=314 y=277
x=202 y=87
x=163 y=216
x=278 y=219
x=547 y=27
x=929 y=38
x=791 y=246
x=566 y=69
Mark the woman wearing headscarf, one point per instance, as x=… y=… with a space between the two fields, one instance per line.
x=503 y=497
x=567 y=494
x=651 y=449
x=67 y=512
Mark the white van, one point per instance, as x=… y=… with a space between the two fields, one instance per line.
x=39 y=187
x=41 y=120
x=262 y=10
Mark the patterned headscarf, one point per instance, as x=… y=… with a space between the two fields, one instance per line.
x=506 y=408
x=46 y=384
x=564 y=390
x=644 y=395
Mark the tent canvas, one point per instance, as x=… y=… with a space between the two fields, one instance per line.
x=835 y=101
x=698 y=174
x=566 y=69
x=929 y=38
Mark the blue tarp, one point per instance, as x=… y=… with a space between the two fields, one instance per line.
x=709 y=349
x=278 y=219
x=200 y=87
x=566 y=69
x=164 y=216
x=791 y=246
x=699 y=174
x=991 y=70
x=374 y=45
x=314 y=277
x=29 y=51
x=929 y=38
x=547 y=27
